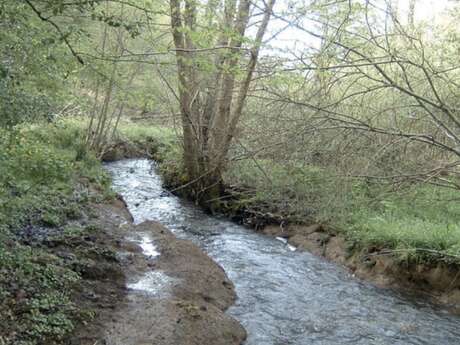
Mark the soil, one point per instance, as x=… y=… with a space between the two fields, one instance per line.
x=439 y=282
x=190 y=311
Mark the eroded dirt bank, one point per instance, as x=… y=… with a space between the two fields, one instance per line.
x=176 y=294
x=439 y=282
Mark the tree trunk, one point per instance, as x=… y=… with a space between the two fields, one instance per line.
x=209 y=125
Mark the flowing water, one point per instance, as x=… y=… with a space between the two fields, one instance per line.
x=284 y=296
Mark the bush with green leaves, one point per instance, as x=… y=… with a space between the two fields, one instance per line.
x=40 y=167
x=36 y=70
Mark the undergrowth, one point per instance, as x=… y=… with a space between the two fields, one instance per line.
x=418 y=222
x=46 y=180
x=164 y=146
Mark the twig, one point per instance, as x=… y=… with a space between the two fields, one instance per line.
x=58 y=29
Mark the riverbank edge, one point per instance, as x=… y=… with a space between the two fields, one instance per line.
x=194 y=311
x=438 y=282
x=61 y=266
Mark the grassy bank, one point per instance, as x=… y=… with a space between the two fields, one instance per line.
x=417 y=222
x=49 y=243
x=47 y=180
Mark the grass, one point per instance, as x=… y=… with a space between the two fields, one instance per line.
x=291 y=191
x=423 y=223
x=162 y=143
x=139 y=132
x=420 y=222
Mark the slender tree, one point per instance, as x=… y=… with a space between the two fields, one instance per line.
x=212 y=99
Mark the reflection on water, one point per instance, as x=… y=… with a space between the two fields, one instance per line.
x=285 y=296
x=155 y=283
x=148 y=247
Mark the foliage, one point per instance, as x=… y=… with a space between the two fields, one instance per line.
x=34 y=301
x=164 y=138
x=35 y=69
x=292 y=191
x=422 y=223
x=43 y=163
x=359 y=133
x=164 y=145
x=419 y=222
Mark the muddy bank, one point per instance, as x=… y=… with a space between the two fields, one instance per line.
x=439 y=282
x=166 y=290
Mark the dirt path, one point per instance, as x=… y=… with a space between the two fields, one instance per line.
x=173 y=295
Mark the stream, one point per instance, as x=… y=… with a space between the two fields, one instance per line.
x=284 y=296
